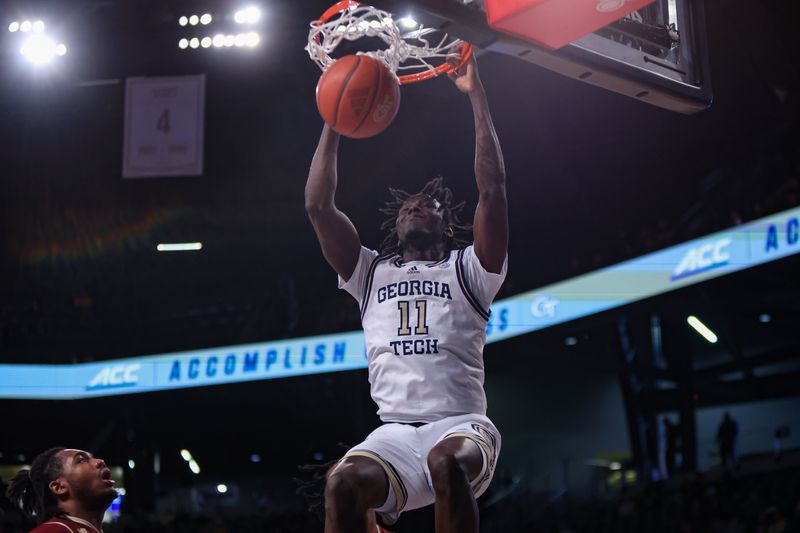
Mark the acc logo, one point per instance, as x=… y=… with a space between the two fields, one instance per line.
x=115 y=376
x=543 y=306
x=607 y=6
x=704 y=257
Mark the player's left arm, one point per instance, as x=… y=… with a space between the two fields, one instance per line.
x=490 y=227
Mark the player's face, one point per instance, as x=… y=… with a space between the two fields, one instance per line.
x=420 y=216
x=87 y=478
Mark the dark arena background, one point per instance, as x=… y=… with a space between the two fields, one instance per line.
x=636 y=201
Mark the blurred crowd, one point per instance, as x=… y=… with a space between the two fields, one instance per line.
x=760 y=503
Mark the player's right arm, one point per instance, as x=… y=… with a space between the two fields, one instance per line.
x=337 y=235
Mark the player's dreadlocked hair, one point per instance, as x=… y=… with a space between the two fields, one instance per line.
x=312 y=486
x=29 y=488
x=462 y=233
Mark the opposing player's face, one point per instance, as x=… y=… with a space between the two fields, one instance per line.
x=420 y=216
x=87 y=479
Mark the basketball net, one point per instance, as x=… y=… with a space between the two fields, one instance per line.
x=411 y=50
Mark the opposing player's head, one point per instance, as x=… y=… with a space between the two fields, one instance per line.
x=62 y=480
x=424 y=219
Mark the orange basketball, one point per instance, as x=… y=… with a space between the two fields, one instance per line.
x=357 y=96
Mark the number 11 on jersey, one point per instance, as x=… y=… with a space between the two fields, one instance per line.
x=422 y=317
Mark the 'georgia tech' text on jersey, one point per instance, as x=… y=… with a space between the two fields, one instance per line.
x=425 y=328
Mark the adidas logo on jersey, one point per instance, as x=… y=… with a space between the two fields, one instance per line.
x=412 y=270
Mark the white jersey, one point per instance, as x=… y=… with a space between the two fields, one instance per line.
x=425 y=328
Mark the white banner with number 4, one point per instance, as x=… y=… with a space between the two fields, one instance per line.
x=163 y=126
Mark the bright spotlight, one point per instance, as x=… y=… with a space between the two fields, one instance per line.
x=194 y=467
x=193 y=20
x=131 y=464
x=194 y=42
x=408 y=23
x=13 y=27
x=181 y=246
x=230 y=40
x=206 y=18
x=61 y=49
x=183 y=44
x=183 y=21
x=252 y=39
x=219 y=40
x=240 y=40
x=250 y=15
x=38 y=27
x=222 y=488
x=186 y=455
x=38 y=49
x=25 y=27
x=205 y=42
x=702 y=329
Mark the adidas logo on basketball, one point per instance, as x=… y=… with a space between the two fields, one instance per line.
x=358 y=99
x=412 y=270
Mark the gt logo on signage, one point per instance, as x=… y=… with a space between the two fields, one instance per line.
x=115 y=376
x=704 y=257
x=542 y=307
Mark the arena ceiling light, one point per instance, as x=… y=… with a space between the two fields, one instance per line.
x=193 y=20
x=26 y=26
x=702 y=329
x=248 y=15
x=222 y=488
x=408 y=23
x=37 y=47
x=180 y=246
x=187 y=456
x=40 y=49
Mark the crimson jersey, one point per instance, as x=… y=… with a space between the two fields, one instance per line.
x=66 y=524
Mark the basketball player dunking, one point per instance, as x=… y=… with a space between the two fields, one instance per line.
x=424 y=302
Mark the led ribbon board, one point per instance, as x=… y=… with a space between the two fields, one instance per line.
x=692 y=262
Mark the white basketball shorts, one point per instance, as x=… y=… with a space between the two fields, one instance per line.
x=402 y=451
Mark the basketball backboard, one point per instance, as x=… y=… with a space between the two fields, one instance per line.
x=657 y=54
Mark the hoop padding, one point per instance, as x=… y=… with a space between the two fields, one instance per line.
x=355 y=21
